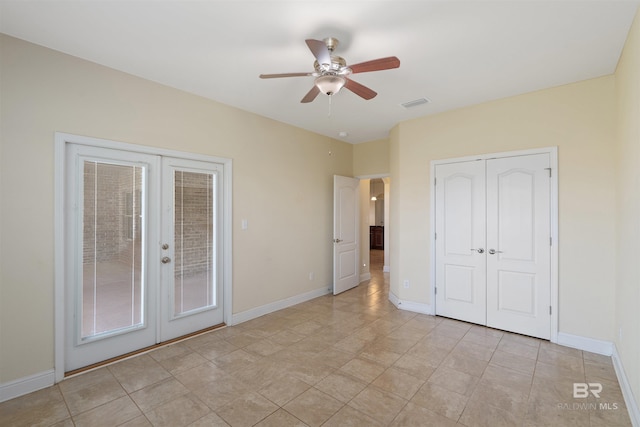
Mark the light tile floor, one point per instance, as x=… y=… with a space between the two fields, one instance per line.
x=348 y=360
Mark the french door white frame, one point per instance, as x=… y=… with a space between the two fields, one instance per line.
x=61 y=140
x=553 y=158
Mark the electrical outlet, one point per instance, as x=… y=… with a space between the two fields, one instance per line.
x=406 y=284
x=312 y=275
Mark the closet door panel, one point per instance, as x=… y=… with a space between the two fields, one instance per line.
x=460 y=242
x=518 y=244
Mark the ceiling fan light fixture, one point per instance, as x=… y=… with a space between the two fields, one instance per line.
x=330 y=84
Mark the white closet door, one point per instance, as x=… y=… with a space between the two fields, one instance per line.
x=518 y=244
x=460 y=241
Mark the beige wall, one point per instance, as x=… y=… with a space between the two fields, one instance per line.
x=579 y=120
x=627 y=313
x=371 y=158
x=282 y=184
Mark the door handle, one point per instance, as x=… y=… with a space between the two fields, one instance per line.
x=337 y=240
x=479 y=250
x=493 y=251
x=165 y=260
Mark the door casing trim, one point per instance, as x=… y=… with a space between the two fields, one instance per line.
x=553 y=161
x=61 y=140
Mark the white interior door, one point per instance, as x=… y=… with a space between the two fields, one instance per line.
x=460 y=241
x=143 y=251
x=346 y=214
x=493 y=242
x=519 y=247
x=191 y=247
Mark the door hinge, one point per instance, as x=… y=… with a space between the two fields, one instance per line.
x=550 y=311
x=435 y=181
x=550 y=241
x=435 y=236
x=548 y=169
x=436 y=290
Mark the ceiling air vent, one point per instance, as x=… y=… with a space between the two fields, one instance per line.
x=415 y=103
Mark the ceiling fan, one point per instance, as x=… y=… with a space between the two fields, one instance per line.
x=332 y=73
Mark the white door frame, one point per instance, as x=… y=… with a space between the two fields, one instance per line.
x=553 y=158
x=386 y=178
x=61 y=139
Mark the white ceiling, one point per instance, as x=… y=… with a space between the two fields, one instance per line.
x=455 y=53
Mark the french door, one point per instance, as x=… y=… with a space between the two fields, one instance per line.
x=142 y=250
x=493 y=253
x=191 y=251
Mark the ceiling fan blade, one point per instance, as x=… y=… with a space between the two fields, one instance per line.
x=360 y=90
x=275 y=76
x=320 y=51
x=311 y=95
x=375 y=65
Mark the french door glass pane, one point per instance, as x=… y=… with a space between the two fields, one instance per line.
x=194 y=242
x=112 y=242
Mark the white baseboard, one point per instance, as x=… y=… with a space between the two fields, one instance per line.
x=415 y=307
x=583 y=343
x=278 y=305
x=26 y=385
x=394 y=299
x=629 y=399
x=364 y=277
x=606 y=348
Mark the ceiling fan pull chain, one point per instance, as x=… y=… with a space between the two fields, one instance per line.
x=330 y=105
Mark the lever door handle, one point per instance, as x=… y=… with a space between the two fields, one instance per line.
x=479 y=250
x=337 y=240
x=493 y=251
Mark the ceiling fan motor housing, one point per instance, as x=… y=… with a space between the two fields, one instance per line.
x=338 y=64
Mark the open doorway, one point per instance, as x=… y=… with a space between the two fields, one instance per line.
x=374 y=225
